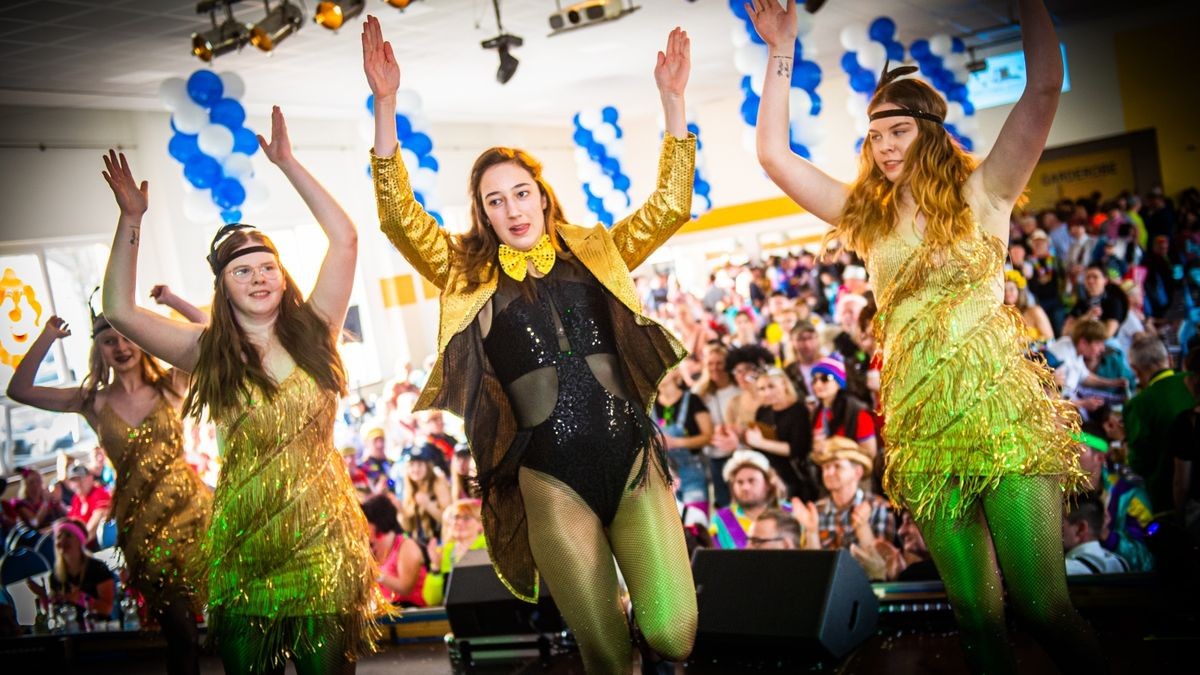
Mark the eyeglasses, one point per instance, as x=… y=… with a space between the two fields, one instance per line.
x=822 y=377
x=244 y=274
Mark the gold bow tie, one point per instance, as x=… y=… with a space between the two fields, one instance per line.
x=512 y=261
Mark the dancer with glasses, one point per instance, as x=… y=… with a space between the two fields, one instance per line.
x=290 y=570
x=544 y=351
x=975 y=447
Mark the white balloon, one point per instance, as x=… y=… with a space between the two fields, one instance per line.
x=738 y=35
x=408 y=102
x=190 y=118
x=757 y=79
x=701 y=163
x=954 y=113
x=198 y=207
x=604 y=134
x=750 y=58
x=807 y=132
x=602 y=185
x=872 y=55
x=216 y=141
x=804 y=24
x=954 y=60
x=237 y=165
x=424 y=180
x=410 y=159
x=581 y=156
x=587 y=171
x=854 y=36
x=940 y=45
x=590 y=119
x=419 y=121
x=701 y=204
x=232 y=85
x=799 y=103
x=856 y=105
x=366 y=129
x=172 y=91
x=616 y=150
x=861 y=125
x=256 y=195
x=616 y=202
x=749 y=140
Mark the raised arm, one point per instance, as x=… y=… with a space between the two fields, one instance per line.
x=670 y=205
x=402 y=219
x=176 y=342
x=21 y=387
x=331 y=295
x=814 y=190
x=163 y=295
x=1006 y=170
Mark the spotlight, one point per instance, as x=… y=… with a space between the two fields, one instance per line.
x=333 y=15
x=221 y=39
x=277 y=25
x=399 y=4
x=502 y=43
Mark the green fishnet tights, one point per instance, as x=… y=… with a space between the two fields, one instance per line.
x=240 y=647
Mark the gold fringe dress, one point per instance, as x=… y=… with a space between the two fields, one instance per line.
x=288 y=551
x=964 y=405
x=159 y=504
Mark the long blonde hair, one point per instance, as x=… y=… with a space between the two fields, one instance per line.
x=935 y=169
x=230 y=363
x=100 y=375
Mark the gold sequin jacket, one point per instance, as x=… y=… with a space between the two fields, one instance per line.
x=647 y=350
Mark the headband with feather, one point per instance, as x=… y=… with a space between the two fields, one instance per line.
x=886 y=77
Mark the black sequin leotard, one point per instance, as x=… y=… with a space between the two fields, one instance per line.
x=557 y=359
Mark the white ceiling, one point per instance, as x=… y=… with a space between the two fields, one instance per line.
x=114 y=53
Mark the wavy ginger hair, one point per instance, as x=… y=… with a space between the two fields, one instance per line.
x=230 y=363
x=935 y=169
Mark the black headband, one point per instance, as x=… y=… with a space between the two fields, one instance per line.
x=99 y=323
x=886 y=77
x=218 y=265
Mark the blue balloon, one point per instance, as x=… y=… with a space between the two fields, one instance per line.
x=967 y=144
x=746 y=84
x=850 y=63
x=606 y=218
x=621 y=182
x=806 y=75
x=919 y=49
x=428 y=162
x=183 y=147
x=702 y=188
x=371 y=103
x=245 y=141
x=609 y=114
x=863 y=81
x=611 y=166
x=858 y=146
x=797 y=51
x=895 y=51
x=958 y=93
x=754 y=36
x=228 y=113
x=228 y=193
x=942 y=79
x=174 y=128
x=205 y=88
x=957 y=46
x=816 y=103
x=750 y=110
x=437 y=217
x=587 y=192
x=968 y=107
x=575 y=120
x=419 y=143
x=420 y=198
x=928 y=65
x=951 y=129
x=620 y=131
x=231 y=216
x=597 y=153
x=738 y=7
x=202 y=171
x=693 y=128
x=595 y=204
x=582 y=138
x=801 y=150
x=403 y=128
x=882 y=29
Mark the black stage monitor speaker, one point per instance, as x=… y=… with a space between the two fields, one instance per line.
x=479 y=605
x=794 y=606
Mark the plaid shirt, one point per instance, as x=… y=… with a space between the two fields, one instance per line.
x=834 y=525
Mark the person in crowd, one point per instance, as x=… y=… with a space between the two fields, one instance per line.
x=543 y=341
x=425 y=495
x=1081 y=527
x=402 y=571
x=1185 y=444
x=1016 y=295
x=1049 y=279
x=77 y=578
x=976 y=449
x=160 y=505
x=687 y=428
x=34 y=506
x=908 y=562
x=848 y=514
x=717 y=388
x=838 y=413
x=431 y=426
x=1162 y=396
x=806 y=351
x=1091 y=371
x=774 y=530
x=1099 y=299
x=745 y=332
x=1079 y=253
x=755 y=488
x=1158 y=214
x=464 y=532
x=463 y=475
x=1122 y=494
x=782 y=431
x=290 y=571
x=100 y=466
x=375 y=463
x=1160 y=283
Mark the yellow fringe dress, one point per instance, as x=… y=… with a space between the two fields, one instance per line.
x=159 y=504
x=963 y=404
x=288 y=548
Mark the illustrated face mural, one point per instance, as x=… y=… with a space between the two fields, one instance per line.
x=22 y=314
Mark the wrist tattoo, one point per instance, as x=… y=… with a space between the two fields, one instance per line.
x=135 y=234
x=783 y=66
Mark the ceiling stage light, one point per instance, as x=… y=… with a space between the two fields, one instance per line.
x=226 y=37
x=334 y=14
x=276 y=26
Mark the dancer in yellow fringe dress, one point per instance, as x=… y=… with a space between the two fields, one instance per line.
x=291 y=574
x=976 y=449
x=159 y=503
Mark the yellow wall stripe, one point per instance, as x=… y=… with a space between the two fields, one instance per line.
x=739 y=214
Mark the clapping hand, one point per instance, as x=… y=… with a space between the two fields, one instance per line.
x=805 y=513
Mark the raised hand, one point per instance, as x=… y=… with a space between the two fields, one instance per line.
x=674 y=65
x=162 y=294
x=379 y=62
x=775 y=25
x=805 y=514
x=279 y=150
x=132 y=198
x=56 y=328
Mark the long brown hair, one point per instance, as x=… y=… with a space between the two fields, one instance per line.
x=479 y=245
x=935 y=169
x=230 y=363
x=100 y=376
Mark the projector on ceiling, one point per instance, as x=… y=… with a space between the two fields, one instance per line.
x=586 y=13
